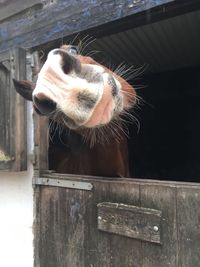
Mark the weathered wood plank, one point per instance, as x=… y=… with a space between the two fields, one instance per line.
x=161 y=198
x=5 y=56
x=188 y=222
x=68 y=233
x=63 y=18
x=4 y=106
x=61 y=227
x=18 y=111
x=136 y=181
x=97 y=246
x=9 y=8
x=13 y=111
x=122 y=250
x=36 y=223
x=41 y=142
x=41 y=124
x=130 y=221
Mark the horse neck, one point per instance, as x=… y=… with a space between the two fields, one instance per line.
x=107 y=159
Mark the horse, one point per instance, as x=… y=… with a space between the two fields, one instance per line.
x=87 y=104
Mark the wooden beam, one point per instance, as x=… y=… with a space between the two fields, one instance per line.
x=10 y=8
x=56 y=19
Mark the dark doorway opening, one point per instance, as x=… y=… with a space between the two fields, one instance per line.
x=167 y=145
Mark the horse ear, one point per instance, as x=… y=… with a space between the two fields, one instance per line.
x=24 y=88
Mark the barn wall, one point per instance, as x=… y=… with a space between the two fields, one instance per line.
x=16 y=212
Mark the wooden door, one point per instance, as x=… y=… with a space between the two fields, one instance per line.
x=101 y=222
x=13 y=155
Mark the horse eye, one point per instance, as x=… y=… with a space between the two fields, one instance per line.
x=73 y=50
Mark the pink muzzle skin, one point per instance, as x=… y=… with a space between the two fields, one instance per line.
x=103 y=111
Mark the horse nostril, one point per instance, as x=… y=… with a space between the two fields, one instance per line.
x=44 y=105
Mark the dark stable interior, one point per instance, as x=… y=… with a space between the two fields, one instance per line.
x=167 y=145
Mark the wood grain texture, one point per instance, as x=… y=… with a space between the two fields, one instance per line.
x=67 y=228
x=162 y=198
x=9 y=8
x=18 y=111
x=188 y=203
x=13 y=111
x=4 y=104
x=41 y=142
x=131 y=221
x=68 y=233
x=56 y=19
x=41 y=123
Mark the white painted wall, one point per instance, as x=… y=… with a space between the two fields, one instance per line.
x=16 y=212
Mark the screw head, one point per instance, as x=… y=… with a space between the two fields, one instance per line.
x=155 y=228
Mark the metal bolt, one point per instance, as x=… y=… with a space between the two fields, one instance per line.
x=155 y=228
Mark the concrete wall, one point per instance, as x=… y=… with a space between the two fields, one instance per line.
x=16 y=212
